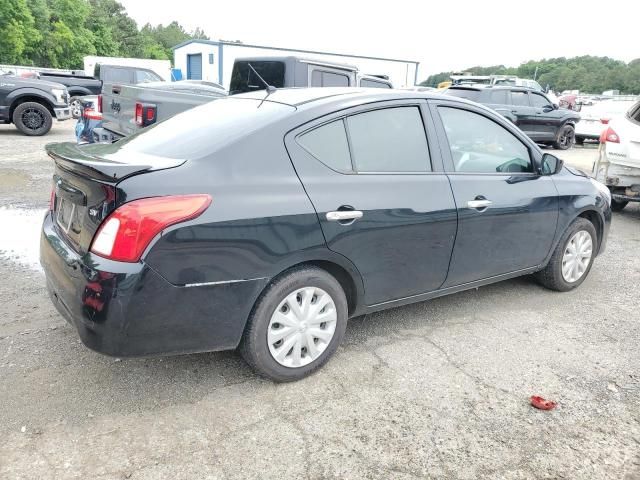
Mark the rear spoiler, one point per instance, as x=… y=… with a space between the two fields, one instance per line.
x=103 y=163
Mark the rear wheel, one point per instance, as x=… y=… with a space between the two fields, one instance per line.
x=566 y=137
x=572 y=259
x=618 y=205
x=296 y=325
x=32 y=118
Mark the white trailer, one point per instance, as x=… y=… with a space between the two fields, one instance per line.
x=213 y=61
x=161 y=67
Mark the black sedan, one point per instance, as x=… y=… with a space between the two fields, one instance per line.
x=264 y=221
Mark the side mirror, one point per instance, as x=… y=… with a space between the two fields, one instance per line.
x=555 y=106
x=551 y=164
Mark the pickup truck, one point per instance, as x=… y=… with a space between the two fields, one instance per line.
x=81 y=85
x=127 y=109
x=31 y=104
x=291 y=71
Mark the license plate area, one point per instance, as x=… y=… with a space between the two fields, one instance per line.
x=65 y=215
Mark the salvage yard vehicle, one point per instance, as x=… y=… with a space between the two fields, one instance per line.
x=265 y=221
x=32 y=104
x=77 y=86
x=594 y=118
x=618 y=164
x=127 y=109
x=530 y=110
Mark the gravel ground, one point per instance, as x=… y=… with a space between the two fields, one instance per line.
x=433 y=390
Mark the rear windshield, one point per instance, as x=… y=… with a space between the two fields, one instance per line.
x=243 y=79
x=195 y=133
x=464 y=93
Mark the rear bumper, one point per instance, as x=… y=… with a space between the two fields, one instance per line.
x=122 y=309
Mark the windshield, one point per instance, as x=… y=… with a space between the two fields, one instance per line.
x=243 y=79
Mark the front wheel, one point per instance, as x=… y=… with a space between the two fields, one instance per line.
x=76 y=107
x=32 y=118
x=566 y=137
x=572 y=259
x=296 y=325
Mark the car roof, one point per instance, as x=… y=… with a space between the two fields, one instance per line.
x=478 y=86
x=297 y=97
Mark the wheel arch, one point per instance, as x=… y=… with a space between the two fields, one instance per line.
x=594 y=217
x=30 y=98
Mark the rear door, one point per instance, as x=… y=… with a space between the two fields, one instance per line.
x=507 y=213
x=380 y=194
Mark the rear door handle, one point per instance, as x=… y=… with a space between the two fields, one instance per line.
x=479 y=204
x=342 y=215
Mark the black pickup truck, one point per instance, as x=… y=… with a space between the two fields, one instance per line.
x=31 y=104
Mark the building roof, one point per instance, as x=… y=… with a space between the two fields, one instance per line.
x=280 y=49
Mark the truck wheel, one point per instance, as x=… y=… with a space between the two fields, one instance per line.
x=566 y=137
x=32 y=118
x=76 y=107
x=618 y=205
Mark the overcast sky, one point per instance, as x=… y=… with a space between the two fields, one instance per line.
x=442 y=35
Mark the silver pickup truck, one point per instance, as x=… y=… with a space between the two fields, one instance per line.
x=127 y=109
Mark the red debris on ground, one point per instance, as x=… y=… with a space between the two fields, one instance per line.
x=542 y=404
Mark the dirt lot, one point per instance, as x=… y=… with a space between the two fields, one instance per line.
x=433 y=390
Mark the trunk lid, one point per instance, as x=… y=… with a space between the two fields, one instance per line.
x=85 y=185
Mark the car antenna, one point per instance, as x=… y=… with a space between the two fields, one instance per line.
x=270 y=88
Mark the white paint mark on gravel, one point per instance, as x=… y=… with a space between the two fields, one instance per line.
x=20 y=235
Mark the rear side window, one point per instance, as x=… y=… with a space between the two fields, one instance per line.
x=243 y=79
x=145 y=76
x=328 y=143
x=389 y=140
x=519 y=98
x=480 y=145
x=321 y=78
x=116 y=75
x=497 y=96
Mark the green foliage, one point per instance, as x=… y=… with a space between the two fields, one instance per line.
x=60 y=33
x=587 y=74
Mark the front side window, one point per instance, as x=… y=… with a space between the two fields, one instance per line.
x=519 y=98
x=328 y=143
x=480 y=145
x=539 y=101
x=389 y=140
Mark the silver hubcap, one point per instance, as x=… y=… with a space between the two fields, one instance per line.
x=302 y=327
x=577 y=256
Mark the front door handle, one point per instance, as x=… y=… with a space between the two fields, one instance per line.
x=479 y=204
x=344 y=215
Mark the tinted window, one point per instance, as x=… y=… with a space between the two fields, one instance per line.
x=321 y=78
x=538 y=100
x=145 y=76
x=328 y=143
x=373 y=84
x=389 y=140
x=479 y=145
x=519 y=98
x=497 y=96
x=463 y=93
x=243 y=79
x=116 y=75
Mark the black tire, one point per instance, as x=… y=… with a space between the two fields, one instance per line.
x=566 y=138
x=75 y=104
x=551 y=276
x=254 y=346
x=32 y=118
x=618 y=205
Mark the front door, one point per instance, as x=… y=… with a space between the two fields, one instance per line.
x=525 y=114
x=547 y=118
x=507 y=212
x=381 y=196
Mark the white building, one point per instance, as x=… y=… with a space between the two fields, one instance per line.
x=213 y=61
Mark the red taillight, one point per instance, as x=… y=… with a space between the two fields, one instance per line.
x=145 y=114
x=127 y=232
x=100 y=103
x=91 y=114
x=604 y=121
x=609 y=135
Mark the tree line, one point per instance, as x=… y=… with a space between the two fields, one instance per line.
x=60 y=33
x=587 y=74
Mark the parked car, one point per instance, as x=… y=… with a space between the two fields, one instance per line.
x=256 y=221
x=530 y=110
x=290 y=71
x=594 y=119
x=81 y=85
x=618 y=164
x=32 y=104
x=127 y=109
